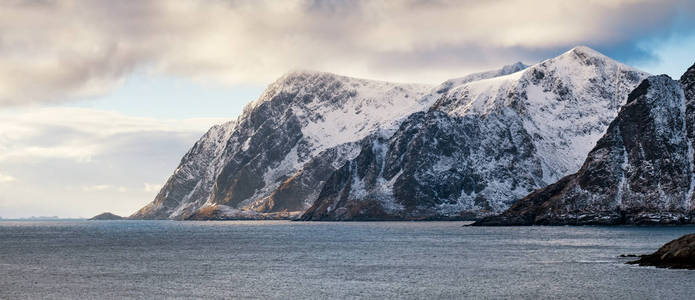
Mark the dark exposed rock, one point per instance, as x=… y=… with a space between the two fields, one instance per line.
x=107 y=216
x=639 y=172
x=676 y=254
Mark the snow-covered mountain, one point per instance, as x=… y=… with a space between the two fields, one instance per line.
x=373 y=150
x=276 y=155
x=483 y=144
x=272 y=161
x=640 y=172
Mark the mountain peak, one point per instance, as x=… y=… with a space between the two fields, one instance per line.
x=584 y=55
x=581 y=63
x=586 y=51
x=293 y=81
x=512 y=68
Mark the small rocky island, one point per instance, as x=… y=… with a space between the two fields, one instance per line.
x=676 y=254
x=106 y=216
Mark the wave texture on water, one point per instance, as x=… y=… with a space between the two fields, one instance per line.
x=279 y=259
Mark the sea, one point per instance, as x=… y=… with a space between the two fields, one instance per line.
x=331 y=260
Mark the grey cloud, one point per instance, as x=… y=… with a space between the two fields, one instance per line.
x=63 y=50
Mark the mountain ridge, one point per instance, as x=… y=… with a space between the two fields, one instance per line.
x=483 y=143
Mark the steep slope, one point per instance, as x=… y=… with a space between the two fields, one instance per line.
x=193 y=178
x=274 y=157
x=482 y=144
x=640 y=172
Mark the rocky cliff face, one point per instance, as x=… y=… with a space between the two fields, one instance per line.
x=276 y=155
x=639 y=172
x=482 y=144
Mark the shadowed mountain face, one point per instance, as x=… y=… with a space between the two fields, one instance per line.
x=482 y=144
x=640 y=172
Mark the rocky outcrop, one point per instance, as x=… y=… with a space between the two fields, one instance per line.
x=106 y=216
x=676 y=254
x=639 y=172
x=482 y=144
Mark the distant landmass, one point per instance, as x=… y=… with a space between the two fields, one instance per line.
x=107 y=216
x=43 y=218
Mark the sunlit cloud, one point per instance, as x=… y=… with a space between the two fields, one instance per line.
x=152 y=187
x=69 y=49
x=103 y=187
x=76 y=162
x=4 y=178
x=78 y=134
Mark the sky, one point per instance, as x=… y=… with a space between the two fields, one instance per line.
x=99 y=100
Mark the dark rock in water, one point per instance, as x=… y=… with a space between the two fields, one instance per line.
x=639 y=172
x=107 y=216
x=676 y=254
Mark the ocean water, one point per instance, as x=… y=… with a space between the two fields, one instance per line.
x=279 y=259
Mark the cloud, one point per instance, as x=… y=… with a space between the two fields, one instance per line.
x=80 y=134
x=76 y=161
x=4 y=178
x=61 y=50
x=102 y=187
x=152 y=187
